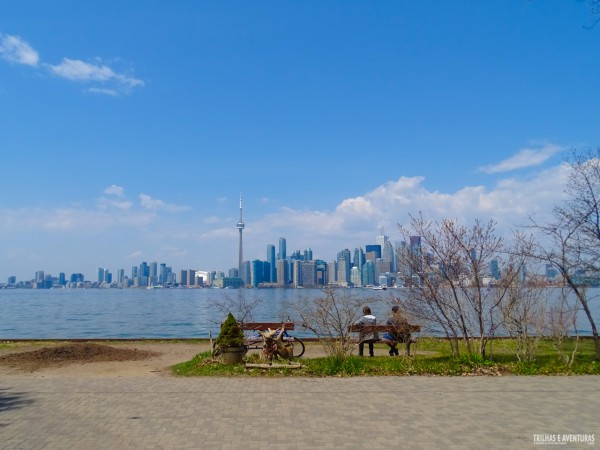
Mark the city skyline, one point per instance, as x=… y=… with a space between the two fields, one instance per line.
x=334 y=119
x=118 y=273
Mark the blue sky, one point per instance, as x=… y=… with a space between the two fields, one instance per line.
x=130 y=128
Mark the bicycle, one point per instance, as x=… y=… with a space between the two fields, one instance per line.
x=256 y=341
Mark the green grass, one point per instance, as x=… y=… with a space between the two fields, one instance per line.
x=434 y=358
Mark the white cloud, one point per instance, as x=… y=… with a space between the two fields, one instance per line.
x=105 y=203
x=15 y=50
x=136 y=255
x=81 y=71
x=527 y=157
x=357 y=220
x=116 y=200
x=76 y=70
x=154 y=204
x=211 y=242
x=103 y=79
x=103 y=91
x=114 y=190
x=212 y=219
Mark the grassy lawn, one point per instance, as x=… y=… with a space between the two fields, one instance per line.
x=433 y=358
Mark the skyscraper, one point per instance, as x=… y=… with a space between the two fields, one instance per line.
x=282 y=251
x=240 y=226
x=273 y=263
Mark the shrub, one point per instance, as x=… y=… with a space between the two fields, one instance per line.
x=231 y=335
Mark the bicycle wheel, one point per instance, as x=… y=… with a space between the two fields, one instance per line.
x=298 y=347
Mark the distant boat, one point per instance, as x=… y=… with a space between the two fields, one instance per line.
x=379 y=288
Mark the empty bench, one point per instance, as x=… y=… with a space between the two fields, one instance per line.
x=402 y=331
x=256 y=342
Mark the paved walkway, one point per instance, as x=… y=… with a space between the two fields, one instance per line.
x=291 y=413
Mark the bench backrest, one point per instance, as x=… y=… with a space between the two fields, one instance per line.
x=356 y=328
x=263 y=326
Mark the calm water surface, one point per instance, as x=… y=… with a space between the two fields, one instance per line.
x=155 y=313
x=135 y=313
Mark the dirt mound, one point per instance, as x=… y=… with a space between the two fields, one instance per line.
x=72 y=354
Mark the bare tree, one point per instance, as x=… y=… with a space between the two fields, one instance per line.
x=574 y=233
x=449 y=278
x=524 y=308
x=240 y=305
x=329 y=317
x=561 y=319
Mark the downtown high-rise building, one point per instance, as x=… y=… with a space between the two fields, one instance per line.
x=282 y=254
x=272 y=263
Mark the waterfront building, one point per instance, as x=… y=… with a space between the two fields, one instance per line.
x=359 y=258
x=163 y=274
x=228 y=282
x=143 y=274
x=381 y=267
x=153 y=273
x=257 y=273
x=308 y=274
x=373 y=252
x=308 y=254
x=368 y=273
x=387 y=250
x=283 y=272
x=296 y=273
x=76 y=278
x=245 y=274
x=356 y=276
x=494 y=269
x=332 y=272
x=551 y=273
x=191 y=277
x=415 y=245
x=322 y=273
x=344 y=264
x=282 y=249
x=296 y=256
x=272 y=263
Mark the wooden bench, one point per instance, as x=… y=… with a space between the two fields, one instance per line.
x=401 y=330
x=264 y=326
x=256 y=342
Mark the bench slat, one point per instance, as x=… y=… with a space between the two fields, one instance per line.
x=356 y=328
x=263 y=326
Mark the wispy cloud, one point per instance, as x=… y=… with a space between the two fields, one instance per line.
x=115 y=190
x=154 y=204
x=15 y=50
x=100 y=78
x=97 y=71
x=527 y=157
x=211 y=243
x=356 y=221
x=116 y=199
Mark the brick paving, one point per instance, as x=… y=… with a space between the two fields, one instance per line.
x=295 y=413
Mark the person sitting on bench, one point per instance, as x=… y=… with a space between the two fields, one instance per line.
x=392 y=338
x=367 y=337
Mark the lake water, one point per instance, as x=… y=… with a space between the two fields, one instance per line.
x=157 y=313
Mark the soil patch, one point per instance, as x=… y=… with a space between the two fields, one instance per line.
x=71 y=354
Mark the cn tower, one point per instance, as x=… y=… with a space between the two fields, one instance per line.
x=240 y=226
